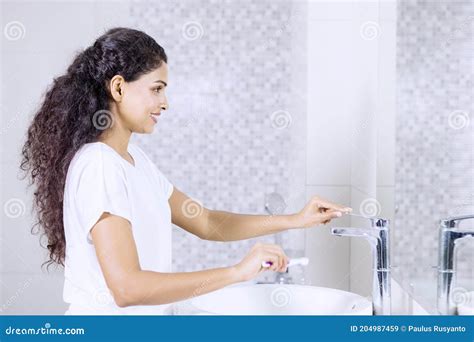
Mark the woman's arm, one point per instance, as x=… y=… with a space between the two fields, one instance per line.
x=130 y=285
x=218 y=225
x=189 y=214
x=227 y=226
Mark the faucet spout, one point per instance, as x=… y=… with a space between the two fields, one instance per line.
x=379 y=239
x=354 y=232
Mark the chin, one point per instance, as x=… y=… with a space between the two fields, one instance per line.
x=149 y=130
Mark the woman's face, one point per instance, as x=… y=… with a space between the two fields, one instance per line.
x=142 y=100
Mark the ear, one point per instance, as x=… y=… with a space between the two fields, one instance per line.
x=116 y=87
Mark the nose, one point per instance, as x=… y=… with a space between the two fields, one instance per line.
x=164 y=105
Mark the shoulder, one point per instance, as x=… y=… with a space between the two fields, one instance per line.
x=97 y=151
x=95 y=168
x=95 y=158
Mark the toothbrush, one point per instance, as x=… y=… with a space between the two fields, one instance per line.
x=359 y=215
x=297 y=261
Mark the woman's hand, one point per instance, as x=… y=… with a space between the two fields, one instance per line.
x=251 y=265
x=318 y=211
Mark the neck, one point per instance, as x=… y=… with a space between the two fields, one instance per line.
x=118 y=138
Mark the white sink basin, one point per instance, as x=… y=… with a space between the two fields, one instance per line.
x=467 y=305
x=275 y=299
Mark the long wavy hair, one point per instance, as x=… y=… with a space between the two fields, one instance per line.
x=66 y=120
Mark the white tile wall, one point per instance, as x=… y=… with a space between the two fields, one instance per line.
x=328 y=255
x=247 y=64
x=351 y=114
x=28 y=66
x=329 y=111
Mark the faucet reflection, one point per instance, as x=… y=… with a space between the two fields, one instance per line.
x=450 y=236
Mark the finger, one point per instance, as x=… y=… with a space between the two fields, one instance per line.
x=270 y=257
x=329 y=205
x=329 y=215
x=285 y=262
x=284 y=266
x=327 y=221
x=283 y=258
x=278 y=250
x=279 y=262
x=267 y=251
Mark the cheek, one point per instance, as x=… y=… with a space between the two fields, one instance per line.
x=135 y=108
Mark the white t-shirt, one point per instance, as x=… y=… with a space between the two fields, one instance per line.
x=100 y=180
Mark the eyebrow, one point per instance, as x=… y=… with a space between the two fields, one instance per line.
x=160 y=81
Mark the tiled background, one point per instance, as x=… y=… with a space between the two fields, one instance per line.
x=232 y=133
x=435 y=133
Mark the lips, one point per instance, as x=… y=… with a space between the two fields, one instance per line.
x=155 y=116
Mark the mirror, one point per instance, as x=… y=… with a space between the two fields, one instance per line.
x=434 y=153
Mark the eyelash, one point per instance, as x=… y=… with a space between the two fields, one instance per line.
x=157 y=90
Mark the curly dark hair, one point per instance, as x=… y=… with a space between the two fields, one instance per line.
x=65 y=121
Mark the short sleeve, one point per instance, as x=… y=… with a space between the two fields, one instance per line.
x=102 y=187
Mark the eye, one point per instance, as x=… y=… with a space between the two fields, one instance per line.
x=157 y=90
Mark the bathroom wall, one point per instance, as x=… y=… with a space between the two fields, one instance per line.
x=351 y=113
x=435 y=137
x=34 y=49
x=235 y=129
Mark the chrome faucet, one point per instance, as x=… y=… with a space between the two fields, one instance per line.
x=450 y=235
x=378 y=237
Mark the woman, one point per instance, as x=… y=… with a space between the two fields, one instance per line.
x=107 y=209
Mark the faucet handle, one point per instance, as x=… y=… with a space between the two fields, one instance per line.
x=453 y=221
x=380 y=223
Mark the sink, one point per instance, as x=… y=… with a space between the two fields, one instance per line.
x=467 y=306
x=275 y=299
